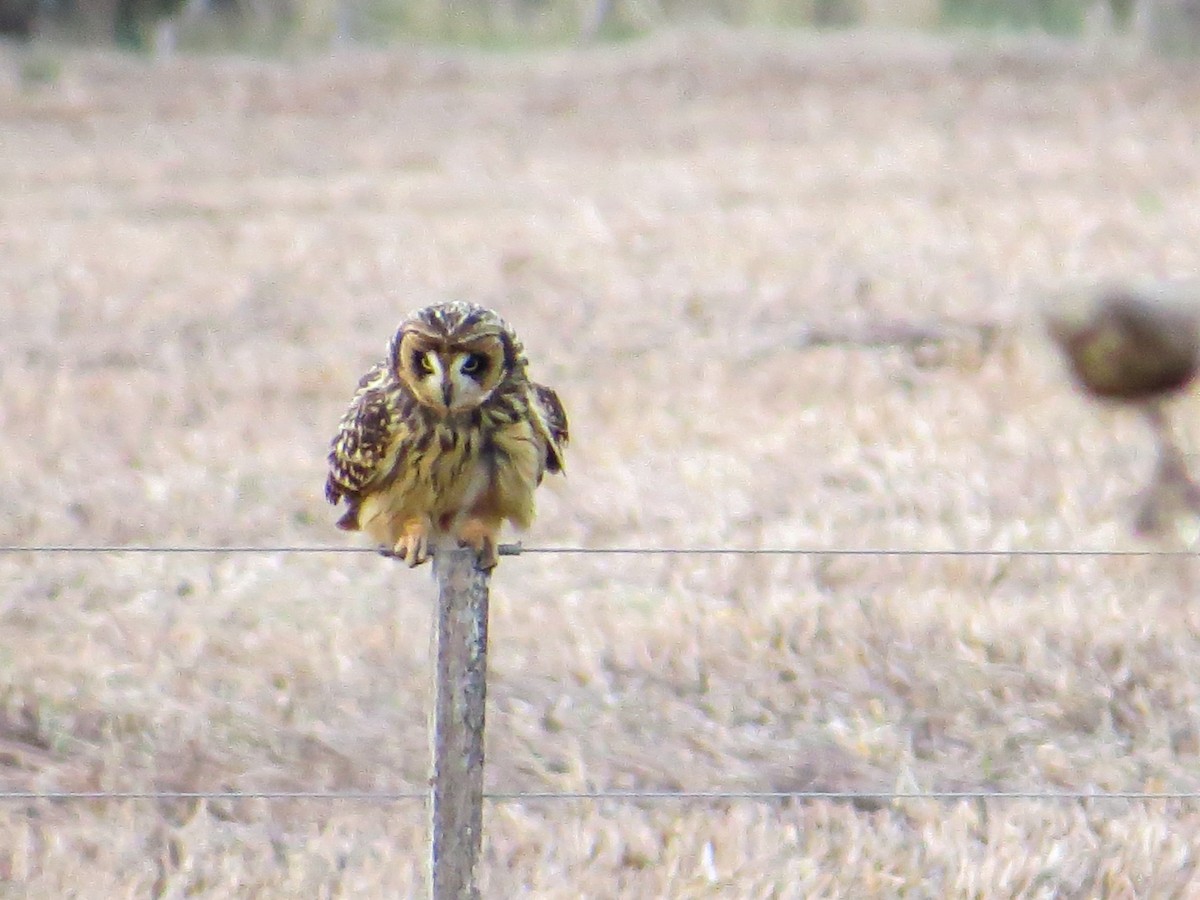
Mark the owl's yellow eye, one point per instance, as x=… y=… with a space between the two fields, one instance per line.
x=424 y=364
x=473 y=363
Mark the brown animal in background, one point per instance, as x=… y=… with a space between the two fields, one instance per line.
x=1138 y=345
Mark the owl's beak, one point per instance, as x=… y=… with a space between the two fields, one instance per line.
x=447 y=393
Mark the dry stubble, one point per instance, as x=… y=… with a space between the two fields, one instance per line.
x=199 y=258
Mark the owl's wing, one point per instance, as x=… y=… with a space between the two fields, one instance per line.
x=552 y=422
x=360 y=453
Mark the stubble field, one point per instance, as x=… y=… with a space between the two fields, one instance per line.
x=718 y=249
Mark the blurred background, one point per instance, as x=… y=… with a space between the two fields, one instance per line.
x=780 y=258
x=1168 y=25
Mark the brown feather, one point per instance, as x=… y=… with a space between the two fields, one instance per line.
x=555 y=417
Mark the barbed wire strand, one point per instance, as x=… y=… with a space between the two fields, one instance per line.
x=622 y=795
x=614 y=795
x=519 y=550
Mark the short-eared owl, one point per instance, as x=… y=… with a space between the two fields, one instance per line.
x=445 y=435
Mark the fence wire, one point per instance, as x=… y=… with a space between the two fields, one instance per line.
x=639 y=796
x=521 y=550
x=614 y=796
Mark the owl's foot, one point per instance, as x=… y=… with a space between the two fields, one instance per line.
x=414 y=544
x=480 y=535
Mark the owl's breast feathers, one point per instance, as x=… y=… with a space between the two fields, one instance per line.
x=388 y=443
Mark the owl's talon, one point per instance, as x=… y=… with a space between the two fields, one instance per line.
x=488 y=557
x=480 y=536
x=413 y=548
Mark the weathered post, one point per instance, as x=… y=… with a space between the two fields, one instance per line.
x=456 y=722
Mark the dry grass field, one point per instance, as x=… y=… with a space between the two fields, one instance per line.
x=200 y=256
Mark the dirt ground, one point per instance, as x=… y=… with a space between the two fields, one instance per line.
x=709 y=244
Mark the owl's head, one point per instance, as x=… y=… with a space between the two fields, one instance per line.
x=453 y=356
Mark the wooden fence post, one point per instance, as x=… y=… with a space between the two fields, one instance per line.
x=456 y=722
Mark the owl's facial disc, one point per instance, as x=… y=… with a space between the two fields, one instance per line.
x=451 y=377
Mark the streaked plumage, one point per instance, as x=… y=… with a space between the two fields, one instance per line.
x=445 y=435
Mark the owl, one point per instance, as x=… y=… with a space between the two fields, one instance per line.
x=445 y=436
